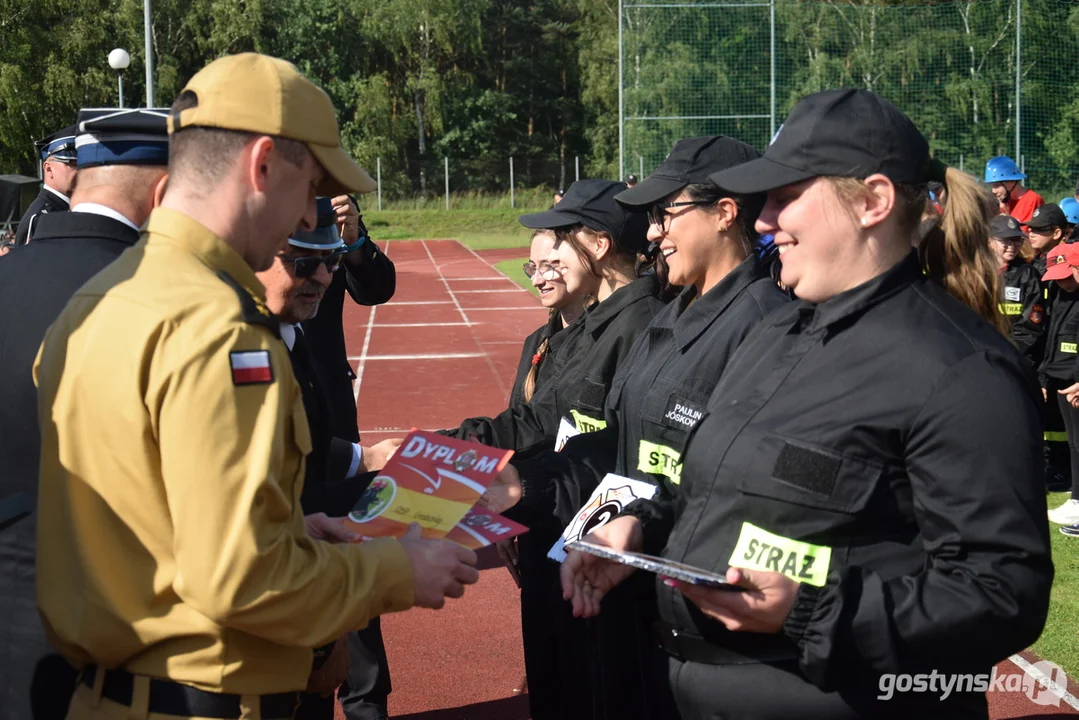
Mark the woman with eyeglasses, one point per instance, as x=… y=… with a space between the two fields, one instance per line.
x=867 y=473
x=706 y=235
x=563 y=289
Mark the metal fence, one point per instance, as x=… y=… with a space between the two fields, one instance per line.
x=980 y=78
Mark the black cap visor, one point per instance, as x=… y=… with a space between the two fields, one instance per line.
x=549 y=219
x=758 y=176
x=650 y=191
x=1044 y=223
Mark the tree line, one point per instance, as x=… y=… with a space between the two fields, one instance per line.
x=480 y=81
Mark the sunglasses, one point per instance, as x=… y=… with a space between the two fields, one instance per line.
x=305 y=267
x=546 y=270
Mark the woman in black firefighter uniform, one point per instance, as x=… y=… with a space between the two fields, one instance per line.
x=865 y=470
x=564 y=285
x=566 y=303
x=706 y=235
x=1023 y=299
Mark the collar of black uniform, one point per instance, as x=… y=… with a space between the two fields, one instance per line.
x=554 y=323
x=859 y=299
x=689 y=321
x=600 y=315
x=79 y=225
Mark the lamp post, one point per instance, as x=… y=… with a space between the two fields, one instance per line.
x=119 y=59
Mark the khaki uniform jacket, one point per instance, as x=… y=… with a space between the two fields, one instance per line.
x=171 y=541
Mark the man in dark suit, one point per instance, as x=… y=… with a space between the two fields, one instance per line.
x=370 y=279
x=121 y=180
x=59 y=174
x=338 y=469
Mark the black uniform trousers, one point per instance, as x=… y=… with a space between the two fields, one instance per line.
x=556 y=648
x=767 y=691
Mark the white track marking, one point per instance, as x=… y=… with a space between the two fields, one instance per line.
x=366 y=344
x=1045 y=681
x=445 y=283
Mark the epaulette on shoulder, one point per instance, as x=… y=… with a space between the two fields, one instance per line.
x=252 y=314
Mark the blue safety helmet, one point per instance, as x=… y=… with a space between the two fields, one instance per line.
x=1003 y=169
x=1071 y=210
x=325 y=235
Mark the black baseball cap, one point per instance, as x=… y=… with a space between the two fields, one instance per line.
x=591 y=203
x=838 y=133
x=690 y=162
x=1048 y=215
x=1004 y=227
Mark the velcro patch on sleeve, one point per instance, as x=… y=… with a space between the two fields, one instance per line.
x=251 y=367
x=806 y=468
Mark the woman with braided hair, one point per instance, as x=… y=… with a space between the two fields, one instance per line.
x=564 y=288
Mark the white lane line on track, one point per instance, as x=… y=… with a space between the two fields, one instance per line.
x=1045 y=681
x=445 y=283
x=366 y=344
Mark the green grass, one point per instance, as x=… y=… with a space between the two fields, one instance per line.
x=1060 y=639
x=525 y=200
x=480 y=229
x=512 y=270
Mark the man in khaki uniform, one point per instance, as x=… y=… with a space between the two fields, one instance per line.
x=173 y=564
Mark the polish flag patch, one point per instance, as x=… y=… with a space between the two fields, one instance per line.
x=251 y=367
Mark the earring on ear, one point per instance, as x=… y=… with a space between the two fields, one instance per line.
x=864 y=222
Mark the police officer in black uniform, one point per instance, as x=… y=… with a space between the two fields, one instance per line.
x=867 y=471
x=58 y=166
x=122 y=179
x=660 y=392
x=1024 y=298
x=595 y=344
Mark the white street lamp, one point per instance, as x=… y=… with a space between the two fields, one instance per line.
x=119 y=59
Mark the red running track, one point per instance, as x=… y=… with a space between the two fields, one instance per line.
x=445 y=348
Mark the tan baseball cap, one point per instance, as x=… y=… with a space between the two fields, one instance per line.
x=266 y=95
